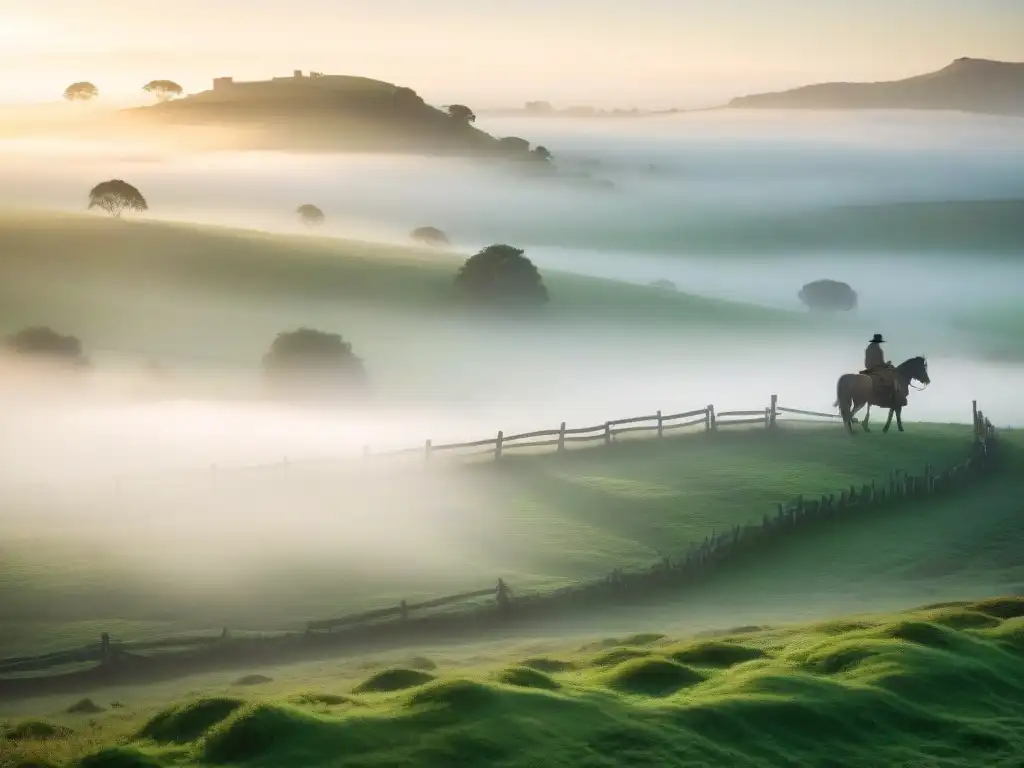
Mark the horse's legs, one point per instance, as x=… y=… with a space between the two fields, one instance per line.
x=867 y=415
x=888 y=421
x=899 y=419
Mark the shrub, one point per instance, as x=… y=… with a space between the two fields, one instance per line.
x=429 y=236
x=316 y=360
x=44 y=343
x=828 y=295
x=501 y=275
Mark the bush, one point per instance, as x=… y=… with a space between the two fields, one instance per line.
x=429 y=236
x=310 y=215
x=666 y=285
x=45 y=343
x=314 y=360
x=828 y=295
x=501 y=275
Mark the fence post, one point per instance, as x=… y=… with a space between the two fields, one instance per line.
x=661 y=425
x=497 y=445
x=607 y=433
x=709 y=415
x=426 y=450
x=767 y=417
x=974 y=421
x=774 y=411
x=561 y=438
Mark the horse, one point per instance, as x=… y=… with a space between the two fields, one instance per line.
x=854 y=390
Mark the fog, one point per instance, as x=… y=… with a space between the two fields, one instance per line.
x=120 y=459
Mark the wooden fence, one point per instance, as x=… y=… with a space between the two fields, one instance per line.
x=654 y=425
x=486 y=608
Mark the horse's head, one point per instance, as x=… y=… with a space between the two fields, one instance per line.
x=916 y=368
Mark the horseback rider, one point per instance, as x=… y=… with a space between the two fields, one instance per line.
x=880 y=369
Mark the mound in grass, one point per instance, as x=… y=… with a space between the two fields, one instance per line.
x=901 y=689
x=421 y=663
x=396 y=679
x=35 y=730
x=85 y=707
x=548 y=666
x=524 y=677
x=715 y=653
x=652 y=677
x=252 y=680
x=254 y=731
x=619 y=655
x=459 y=695
x=321 y=699
x=187 y=722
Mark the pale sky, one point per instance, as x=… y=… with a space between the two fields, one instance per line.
x=645 y=53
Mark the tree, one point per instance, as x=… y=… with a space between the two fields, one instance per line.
x=828 y=295
x=42 y=342
x=310 y=215
x=115 y=196
x=83 y=91
x=665 y=285
x=314 y=360
x=429 y=236
x=501 y=275
x=542 y=153
x=164 y=90
x=539 y=107
x=461 y=114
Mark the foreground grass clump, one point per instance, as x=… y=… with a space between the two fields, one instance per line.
x=941 y=685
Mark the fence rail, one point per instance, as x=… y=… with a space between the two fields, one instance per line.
x=120 y=662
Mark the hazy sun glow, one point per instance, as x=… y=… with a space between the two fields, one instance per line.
x=22 y=35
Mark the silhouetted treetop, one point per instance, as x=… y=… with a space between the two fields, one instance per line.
x=115 y=196
x=828 y=295
x=164 y=90
x=310 y=359
x=461 y=113
x=542 y=153
x=83 y=91
x=44 y=342
x=501 y=275
x=429 y=236
x=310 y=215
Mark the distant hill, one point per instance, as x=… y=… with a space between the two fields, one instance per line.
x=314 y=111
x=967 y=85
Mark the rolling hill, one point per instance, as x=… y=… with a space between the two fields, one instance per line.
x=968 y=85
x=321 y=112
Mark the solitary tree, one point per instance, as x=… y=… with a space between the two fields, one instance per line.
x=501 y=275
x=164 y=90
x=828 y=296
x=115 y=196
x=665 y=285
x=542 y=153
x=429 y=236
x=461 y=113
x=42 y=342
x=307 y=359
x=83 y=91
x=310 y=215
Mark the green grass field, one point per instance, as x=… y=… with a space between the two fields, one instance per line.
x=113 y=270
x=939 y=686
x=538 y=521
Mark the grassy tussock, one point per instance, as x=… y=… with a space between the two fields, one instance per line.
x=943 y=686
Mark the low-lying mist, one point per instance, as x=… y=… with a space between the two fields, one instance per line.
x=121 y=457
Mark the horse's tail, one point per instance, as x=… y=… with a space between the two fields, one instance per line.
x=842 y=400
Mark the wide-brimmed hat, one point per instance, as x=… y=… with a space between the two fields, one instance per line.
x=878 y=339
